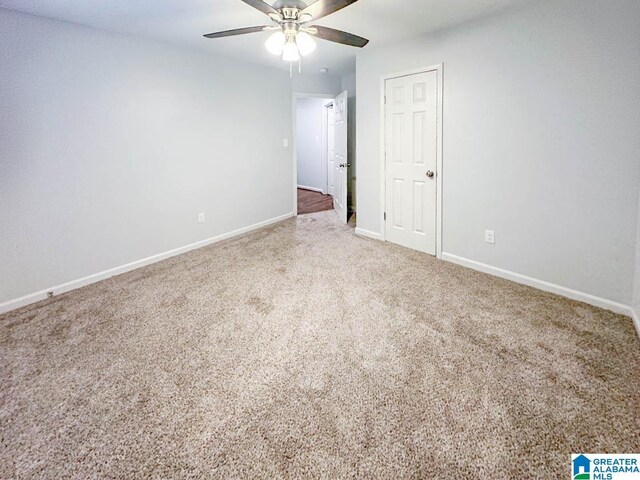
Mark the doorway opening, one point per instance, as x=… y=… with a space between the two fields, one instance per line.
x=320 y=154
x=312 y=140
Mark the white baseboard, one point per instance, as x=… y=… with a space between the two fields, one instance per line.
x=96 y=277
x=313 y=189
x=368 y=233
x=542 y=285
x=636 y=320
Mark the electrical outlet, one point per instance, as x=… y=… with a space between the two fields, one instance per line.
x=50 y=294
x=285 y=142
x=201 y=218
x=490 y=236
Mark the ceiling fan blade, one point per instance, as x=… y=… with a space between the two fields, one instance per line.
x=338 y=36
x=264 y=7
x=322 y=8
x=237 y=31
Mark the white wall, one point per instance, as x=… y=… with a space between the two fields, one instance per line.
x=309 y=142
x=636 y=285
x=316 y=83
x=110 y=146
x=541 y=115
x=348 y=83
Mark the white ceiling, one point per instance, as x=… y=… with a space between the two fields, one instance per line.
x=183 y=22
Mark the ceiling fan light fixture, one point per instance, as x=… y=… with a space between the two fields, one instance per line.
x=306 y=44
x=275 y=43
x=291 y=35
x=290 y=51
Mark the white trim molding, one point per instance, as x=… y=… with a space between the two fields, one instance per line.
x=367 y=233
x=439 y=69
x=542 y=285
x=97 y=277
x=636 y=321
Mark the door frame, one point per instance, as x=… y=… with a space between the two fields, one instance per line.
x=383 y=162
x=294 y=147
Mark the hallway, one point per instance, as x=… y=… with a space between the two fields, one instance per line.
x=311 y=202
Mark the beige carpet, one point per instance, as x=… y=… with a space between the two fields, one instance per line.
x=302 y=350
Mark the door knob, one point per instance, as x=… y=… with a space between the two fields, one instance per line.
x=342 y=165
x=430 y=173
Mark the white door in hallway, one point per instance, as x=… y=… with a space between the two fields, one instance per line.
x=340 y=156
x=330 y=148
x=410 y=160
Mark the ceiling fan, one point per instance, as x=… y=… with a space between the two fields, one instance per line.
x=293 y=36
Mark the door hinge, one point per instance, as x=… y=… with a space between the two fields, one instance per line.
x=385 y=215
x=385 y=99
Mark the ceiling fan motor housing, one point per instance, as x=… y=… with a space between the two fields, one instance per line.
x=290 y=13
x=290 y=4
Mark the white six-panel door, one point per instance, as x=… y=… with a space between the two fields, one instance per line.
x=340 y=156
x=410 y=160
x=330 y=148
